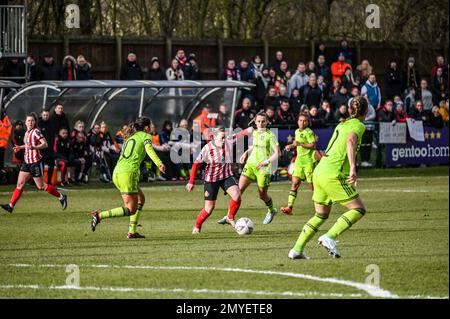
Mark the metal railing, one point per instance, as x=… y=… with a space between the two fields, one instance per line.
x=13 y=28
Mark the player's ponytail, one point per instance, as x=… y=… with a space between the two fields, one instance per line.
x=129 y=130
x=139 y=125
x=358 y=107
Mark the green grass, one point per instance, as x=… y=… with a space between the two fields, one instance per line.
x=404 y=233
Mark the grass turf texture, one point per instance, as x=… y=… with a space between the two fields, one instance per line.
x=404 y=233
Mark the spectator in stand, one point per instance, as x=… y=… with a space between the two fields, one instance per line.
x=367 y=138
x=341 y=97
x=131 y=70
x=49 y=70
x=83 y=69
x=161 y=150
x=194 y=71
x=436 y=119
x=280 y=78
x=282 y=94
x=174 y=72
x=295 y=102
x=119 y=137
x=424 y=94
x=257 y=66
x=363 y=71
x=300 y=78
x=271 y=116
x=372 y=91
x=15 y=68
x=79 y=127
x=311 y=93
x=109 y=150
x=48 y=154
x=272 y=76
x=205 y=121
x=400 y=114
x=439 y=86
x=443 y=109
x=284 y=114
x=315 y=118
x=5 y=133
x=243 y=116
x=338 y=68
x=64 y=157
x=341 y=113
x=230 y=73
x=58 y=119
x=69 y=68
x=386 y=113
x=30 y=64
x=165 y=137
x=354 y=92
x=440 y=63
x=224 y=116
x=323 y=70
x=348 y=80
x=410 y=100
x=183 y=64
x=411 y=75
x=155 y=72
x=246 y=75
x=261 y=82
x=393 y=80
x=80 y=152
x=336 y=86
x=398 y=101
x=326 y=113
x=322 y=50
x=276 y=64
x=17 y=137
x=288 y=82
x=95 y=143
x=323 y=86
x=347 y=52
x=420 y=114
x=271 y=98
x=310 y=68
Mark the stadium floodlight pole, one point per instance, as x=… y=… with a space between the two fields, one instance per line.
x=141 y=104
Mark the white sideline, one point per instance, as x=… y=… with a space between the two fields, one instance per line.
x=370 y=289
x=183 y=290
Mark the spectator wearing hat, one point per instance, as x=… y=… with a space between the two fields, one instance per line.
x=49 y=70
x=193 y=70
x=393 y=80
x=131 y=70
x=411 y=74
x=338 y=68
x=155 y=72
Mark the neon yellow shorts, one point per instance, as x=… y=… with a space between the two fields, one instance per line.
x=262 y=176
x=304 y=171
x=127 y=182
x=332 y=189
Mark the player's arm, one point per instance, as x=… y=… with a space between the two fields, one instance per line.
x=195 y=167
x=275 y=155
x=245 y=156
x=152 y=154
x=351 y=154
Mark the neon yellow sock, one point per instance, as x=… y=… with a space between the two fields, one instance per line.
x=345 y=222
x=134 y=219
x=308 y=232
x=115 y=212
x=292 y=197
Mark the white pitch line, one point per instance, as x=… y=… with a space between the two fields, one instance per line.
x=370 y=289
x=386 y=190
x=184 y=290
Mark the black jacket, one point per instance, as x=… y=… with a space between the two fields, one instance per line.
x=311 y=95
x=393 y=83
x=50 y=72
x=131 y=71
x=243 y=117
x=84 y=73
x=156 y=75
x=58 y=122
x=385 y=116
x=48 y=131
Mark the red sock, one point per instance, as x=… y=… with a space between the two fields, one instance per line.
x=233 y=208
x=63 y=170
x=15 y=197
x=52 y=190
x=201 y=218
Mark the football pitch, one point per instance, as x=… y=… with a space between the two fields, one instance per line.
x=401 y=243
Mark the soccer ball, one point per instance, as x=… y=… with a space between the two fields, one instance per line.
x=244 y=226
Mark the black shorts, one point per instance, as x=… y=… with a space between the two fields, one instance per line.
x=35 y=169
x=212 y=189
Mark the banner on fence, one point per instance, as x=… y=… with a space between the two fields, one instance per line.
x=415 y=129
x=392 y=133
x=433 y=150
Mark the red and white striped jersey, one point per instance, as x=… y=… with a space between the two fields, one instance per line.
x=32 y=137
x=217 y=159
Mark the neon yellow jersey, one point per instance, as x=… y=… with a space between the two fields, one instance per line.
x=264 y=143
x=305 y=155
x=133 y=153
x=335 y=160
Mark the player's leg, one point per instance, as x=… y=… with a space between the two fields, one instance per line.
x=244 y=182
x=296 y=181
x=37 y=173
x=23 y=178
x=134 y=219
x=356 y=211
x=263 y=181
x=127 y=184
x=211 y=191
x=233 y=190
